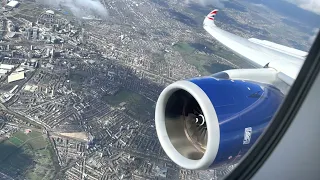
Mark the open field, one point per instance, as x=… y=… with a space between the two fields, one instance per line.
x=76 y=135
x=37 y=143
x=21 y=135
x=26 y=156
x=17 y=142
x=201 y=56
x=122 y=96
x=34 y=134
x=136 y=104
x=6 y=148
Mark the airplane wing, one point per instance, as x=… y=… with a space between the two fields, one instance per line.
x=213 y=121
x=260 y=53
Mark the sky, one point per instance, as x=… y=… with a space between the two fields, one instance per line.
x=310 y=5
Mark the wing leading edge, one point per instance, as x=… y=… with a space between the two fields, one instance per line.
x=258 y=52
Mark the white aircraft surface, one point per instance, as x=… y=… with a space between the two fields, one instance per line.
x=209 y=122
x=284 y=59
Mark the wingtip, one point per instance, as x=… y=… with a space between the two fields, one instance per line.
x=215 y=11
x=209 y=19
x=212 y=14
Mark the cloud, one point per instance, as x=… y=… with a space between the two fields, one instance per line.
x=79 y=8
x=217 y=3
x=315 y=32
x=310 y=5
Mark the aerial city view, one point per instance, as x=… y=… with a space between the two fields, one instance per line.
x=79 y=79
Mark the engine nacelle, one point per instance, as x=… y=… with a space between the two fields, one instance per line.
x=208 y=122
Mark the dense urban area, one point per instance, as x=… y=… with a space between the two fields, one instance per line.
x=78 y=85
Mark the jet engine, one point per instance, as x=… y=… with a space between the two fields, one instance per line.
x=213 y=121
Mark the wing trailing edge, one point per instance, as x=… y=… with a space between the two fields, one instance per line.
x=258 y=52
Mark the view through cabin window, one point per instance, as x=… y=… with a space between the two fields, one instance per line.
x=80 y=84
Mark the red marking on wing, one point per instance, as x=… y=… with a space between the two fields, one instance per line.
x=210 y=18
x=214 y=12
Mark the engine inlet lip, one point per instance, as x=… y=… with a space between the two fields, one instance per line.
x=211 y=120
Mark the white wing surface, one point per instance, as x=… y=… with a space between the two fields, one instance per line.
x=285 y=60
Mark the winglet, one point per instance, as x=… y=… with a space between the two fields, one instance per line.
x=209 y=20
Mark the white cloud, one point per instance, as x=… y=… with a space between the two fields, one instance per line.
x=315 y=32
x=79 y=8
x=217 y=3
x=310 y=5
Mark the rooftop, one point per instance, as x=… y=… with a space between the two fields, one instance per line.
x=50 y=12
x=13 y=4
x=15 y=76
x=6 y=66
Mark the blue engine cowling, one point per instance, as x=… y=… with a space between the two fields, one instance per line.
x=209 y=122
